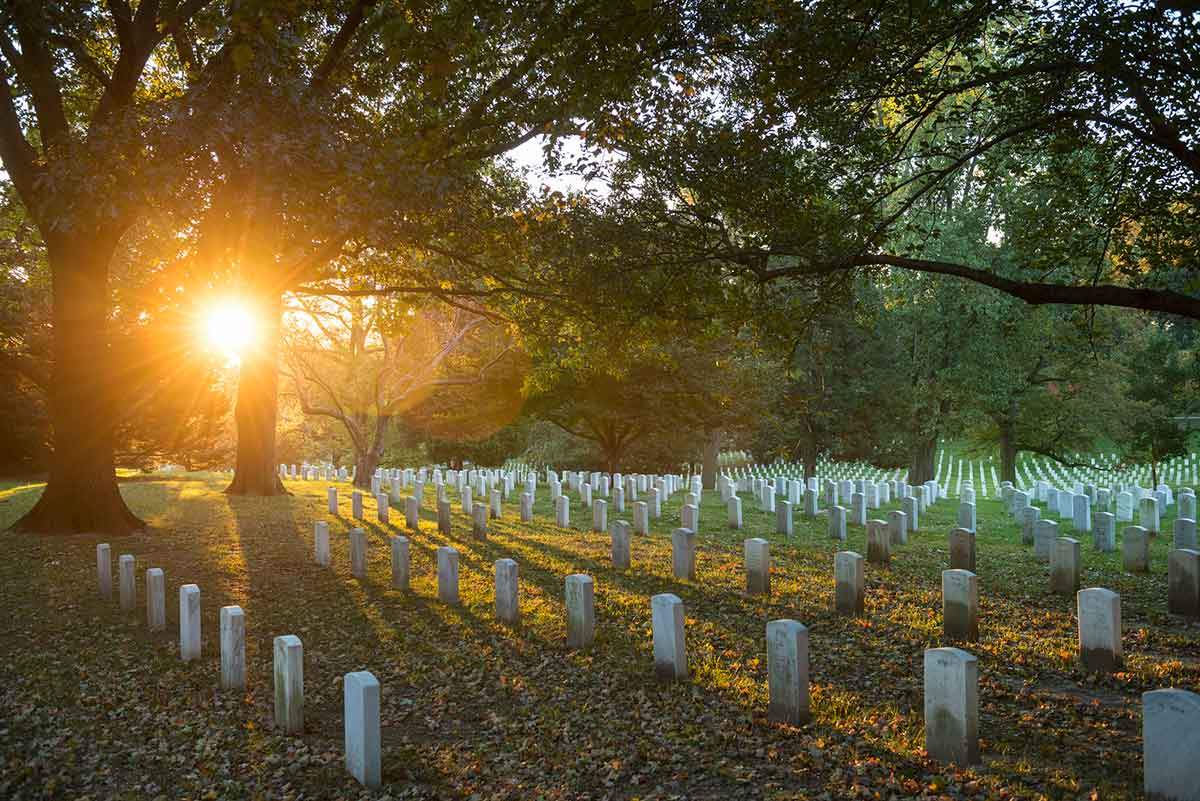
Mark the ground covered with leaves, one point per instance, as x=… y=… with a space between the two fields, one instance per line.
x=92 y=705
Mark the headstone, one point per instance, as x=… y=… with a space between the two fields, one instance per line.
x=507 y=593
x=1170 y=743
x=960 y=605
x=400 y=563
x=358 y=553
x=912 y=510
x=331 y=496
x=1104 y=532
x=683 y=554
x=898 y=527
x=104 y=569
x=1064 y=566
x=757 y=554
x=1082 y=513
x=810 y=504
x=382 y=506
x=858 y=509
x=620 y=545
x=233 y=648
x=879 y=543
x=412 y=513
x=360 y=712
x=837 y=523
x=1135 y=549
x=1183 y=582
x=1099 y=630
x=1029 y=517
x=321 y=543
x=128 y=580
x=581 y=611
x=689 y=517
x=670 y=647
x=787 y=672
x=1148 y=511
x=289 y=684
x=1187 y=505
x=526 y=507
x=156 y=599
x=962 y=549
x=189 y=622
x=479 y=521
x=447 y=574
x=1045 y=532
x=641 y=517
x=966 y=516
x=356 y=505
x=619 y=499
x=734 y=506
x=1185 y=532
x=1125 y=507
x=849 y=583
x=497 y=510
x=783 y=518
x=599 y=515
x=952 y=706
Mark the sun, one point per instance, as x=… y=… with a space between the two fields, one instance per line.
x=230 y=328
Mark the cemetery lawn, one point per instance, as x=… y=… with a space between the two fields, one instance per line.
x=93 y=705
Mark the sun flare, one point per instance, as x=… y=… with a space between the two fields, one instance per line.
x=230 y=327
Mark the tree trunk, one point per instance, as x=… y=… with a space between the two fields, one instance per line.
x=921 y=468
x=81 y=493
x=368 y=460
x=255 y=471
x=1008 y=452
x=708 y=470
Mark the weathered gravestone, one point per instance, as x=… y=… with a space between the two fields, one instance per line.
x=289 y=684
x=620 y=545
x=507 y=592
x=232 y=623
x=1099 y=613
x=1104 y=533
x=400 y=563
x=1135 y=549
x=952 y=706
x=670 y=648
x=879 y=543
x=962 y=549
x=1170 y=743
x=898 y=527
x=757 y=553
x=683 y=554
x=189 y=622
x=1183 y=582
x=837 y=523
x=447 y=574
x=960 y=605
x=581 y=611
x=849 y=583
x=156 y=599
x=1045 y=532
x=787 y=672
x=1064 y=566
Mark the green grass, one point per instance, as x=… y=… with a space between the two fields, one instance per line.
x=92 y=704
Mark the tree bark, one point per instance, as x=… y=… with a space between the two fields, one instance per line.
x=921 y=468
x=255 y=470
x=708 y=470
x=81 y=493
x=1008 y=450
x=368 y=460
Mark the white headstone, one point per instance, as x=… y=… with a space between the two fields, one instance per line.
x=156 y=599
x=952 y=706
x=1099 y=629
x=960 y=605
x=360 y=712
x=125 y=568
x=758 y=565
x=189 y=622
x=581 y=611
x=289 y=684
x=447 y=574
x=508 y=609
x=400 y=563
x=1170 y=743
x=233 y=648
x=787 y=672
x=670 y=648
x=849 y=583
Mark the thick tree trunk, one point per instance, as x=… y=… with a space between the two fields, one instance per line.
x=81 y=492
x=255 y=471
x=922 y=466
x=708 y=470
x=368 y=460
x=1008 y=452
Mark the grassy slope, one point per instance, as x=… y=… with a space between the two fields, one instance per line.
x=91 y=703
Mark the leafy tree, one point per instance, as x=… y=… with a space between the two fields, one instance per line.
x=364 y=362
x=1162 y=388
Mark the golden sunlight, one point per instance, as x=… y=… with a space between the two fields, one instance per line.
x=230 y=327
